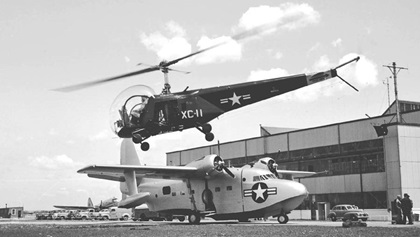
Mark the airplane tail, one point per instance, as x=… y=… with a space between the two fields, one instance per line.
x=130 y=195
x=128 y=153
x=90 y=203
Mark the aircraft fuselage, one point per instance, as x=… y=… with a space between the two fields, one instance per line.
x=253 y=193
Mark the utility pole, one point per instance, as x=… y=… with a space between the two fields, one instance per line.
x=394 y=72
x=387 y=86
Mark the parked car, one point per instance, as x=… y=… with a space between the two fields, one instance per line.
x=44 y=215
x=115 y=213
x=347 y=212
x=142 y=213
x=88 y=214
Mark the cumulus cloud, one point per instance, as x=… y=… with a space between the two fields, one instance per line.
x=231 y=50
x=168 y=47
x=289 y=16
x=172 y=43
x=53 y=163
x=259 y=74
x=337 y=43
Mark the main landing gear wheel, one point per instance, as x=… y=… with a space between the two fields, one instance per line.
x=145 y=146
x=194 y=218
x=283 y=219
x=209 y=137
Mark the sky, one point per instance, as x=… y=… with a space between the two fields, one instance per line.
x=46 y=136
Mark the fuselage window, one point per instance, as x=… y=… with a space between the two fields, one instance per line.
x=166 y=190
x=217 y=189
x=229 y=188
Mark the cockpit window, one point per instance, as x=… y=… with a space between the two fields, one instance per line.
x=264 y=177
x=136 y=105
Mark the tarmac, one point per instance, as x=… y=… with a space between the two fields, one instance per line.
x=31 y=221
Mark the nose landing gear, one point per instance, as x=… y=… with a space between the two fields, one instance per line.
x=143 y=145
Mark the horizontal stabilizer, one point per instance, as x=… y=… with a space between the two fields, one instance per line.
x=134 y=200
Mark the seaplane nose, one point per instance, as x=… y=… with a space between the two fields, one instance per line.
x=294 y=189
x=300 y=190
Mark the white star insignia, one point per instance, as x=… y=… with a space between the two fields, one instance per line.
x=259 y=192
x=235 y=99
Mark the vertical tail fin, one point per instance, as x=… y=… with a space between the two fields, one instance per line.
x=128 y=153
x=90 y=203
x=128 y=157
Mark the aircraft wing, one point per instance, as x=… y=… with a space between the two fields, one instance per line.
x=116 y=172
x=296 y=174
x=73 y=207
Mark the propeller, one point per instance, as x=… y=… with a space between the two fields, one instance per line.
x=272 y=166
x=219 y=165
x=164 y=65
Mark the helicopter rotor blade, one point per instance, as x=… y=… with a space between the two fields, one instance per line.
x=163 y=66
x=101 y=81
x=243 y=35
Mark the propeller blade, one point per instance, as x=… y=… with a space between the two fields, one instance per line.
x=101 y=81
x=226 y=169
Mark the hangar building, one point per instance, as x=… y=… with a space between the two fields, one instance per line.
x=361 y=168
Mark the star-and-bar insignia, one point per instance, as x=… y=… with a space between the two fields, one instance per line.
x=235 y=99
x=260 y=192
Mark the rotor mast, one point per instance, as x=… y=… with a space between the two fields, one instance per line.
x=166 y=87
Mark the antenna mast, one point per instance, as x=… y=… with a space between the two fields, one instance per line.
x=395 y=70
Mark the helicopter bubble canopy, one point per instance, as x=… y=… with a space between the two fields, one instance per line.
x=128 y=106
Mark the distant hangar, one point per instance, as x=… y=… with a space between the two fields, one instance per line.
x=362 y=167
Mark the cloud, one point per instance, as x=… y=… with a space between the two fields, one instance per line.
x=102 y=135
x=256 y=75
x=173 y=43
x=289 y=16
x=364 y=73
x=53 y=163
x=168 y=47
x=229 y=51
x=337 y=43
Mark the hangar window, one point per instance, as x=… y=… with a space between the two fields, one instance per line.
x=166 y=190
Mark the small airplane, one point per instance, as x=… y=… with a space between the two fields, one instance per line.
x=139 y=113
x=111 y=202
x=205 y=187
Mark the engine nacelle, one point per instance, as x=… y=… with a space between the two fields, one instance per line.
x=210 y=165
x=267 y=163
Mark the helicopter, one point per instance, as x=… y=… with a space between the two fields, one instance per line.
x=139 y=113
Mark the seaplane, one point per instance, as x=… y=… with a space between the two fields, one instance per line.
x=205 y=188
